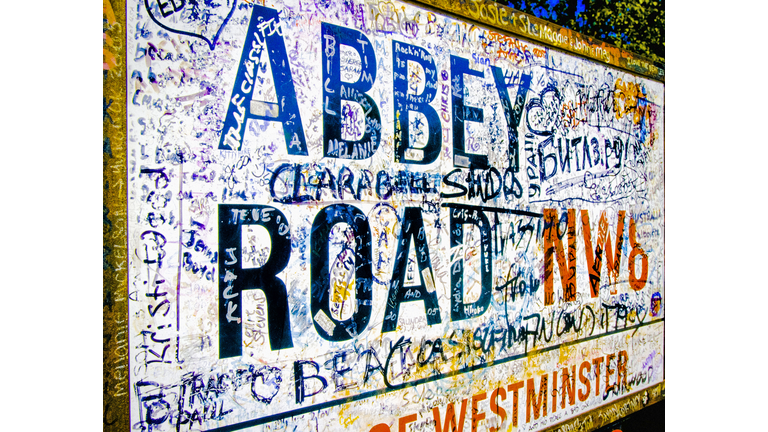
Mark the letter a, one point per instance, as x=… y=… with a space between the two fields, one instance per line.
x=413 y=227
x=263 y=32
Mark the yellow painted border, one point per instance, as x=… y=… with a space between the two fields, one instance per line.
x=607 y=414
x=115 y=269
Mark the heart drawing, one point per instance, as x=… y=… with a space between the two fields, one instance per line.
x=204 y=19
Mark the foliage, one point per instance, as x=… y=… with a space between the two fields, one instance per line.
x=633 y=25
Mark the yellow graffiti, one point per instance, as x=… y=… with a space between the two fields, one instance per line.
x=626 y=100
x=111 y=46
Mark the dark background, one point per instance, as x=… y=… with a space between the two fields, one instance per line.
x=648 y=419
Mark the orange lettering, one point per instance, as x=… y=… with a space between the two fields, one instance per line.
x=594 y=258
x=404 y=421
x=450 y=418
x=636 y=283
x=514 y=388
x=569 y=386
x=583 y=378
x=621 y=368
x=596 y=362
x=495 y=408
x=553 y=245
x=476 y=414
x=608 y=371
x=536 y=401
x=614 y=260
x=554 y=391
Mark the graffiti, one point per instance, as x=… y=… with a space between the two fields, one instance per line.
x=366 y=214
x=506 y=19
x=197 y=399
x=536 y=397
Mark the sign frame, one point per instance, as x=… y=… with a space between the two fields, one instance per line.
x=117 y=294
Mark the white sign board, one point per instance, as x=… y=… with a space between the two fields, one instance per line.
x=369 y=215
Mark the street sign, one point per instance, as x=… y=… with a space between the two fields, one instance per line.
x=378 y=216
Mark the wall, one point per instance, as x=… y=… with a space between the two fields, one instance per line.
x=371 y=215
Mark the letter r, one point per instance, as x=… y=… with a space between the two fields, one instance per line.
x=234 y=279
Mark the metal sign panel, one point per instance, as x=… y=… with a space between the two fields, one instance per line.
x=371 y=215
